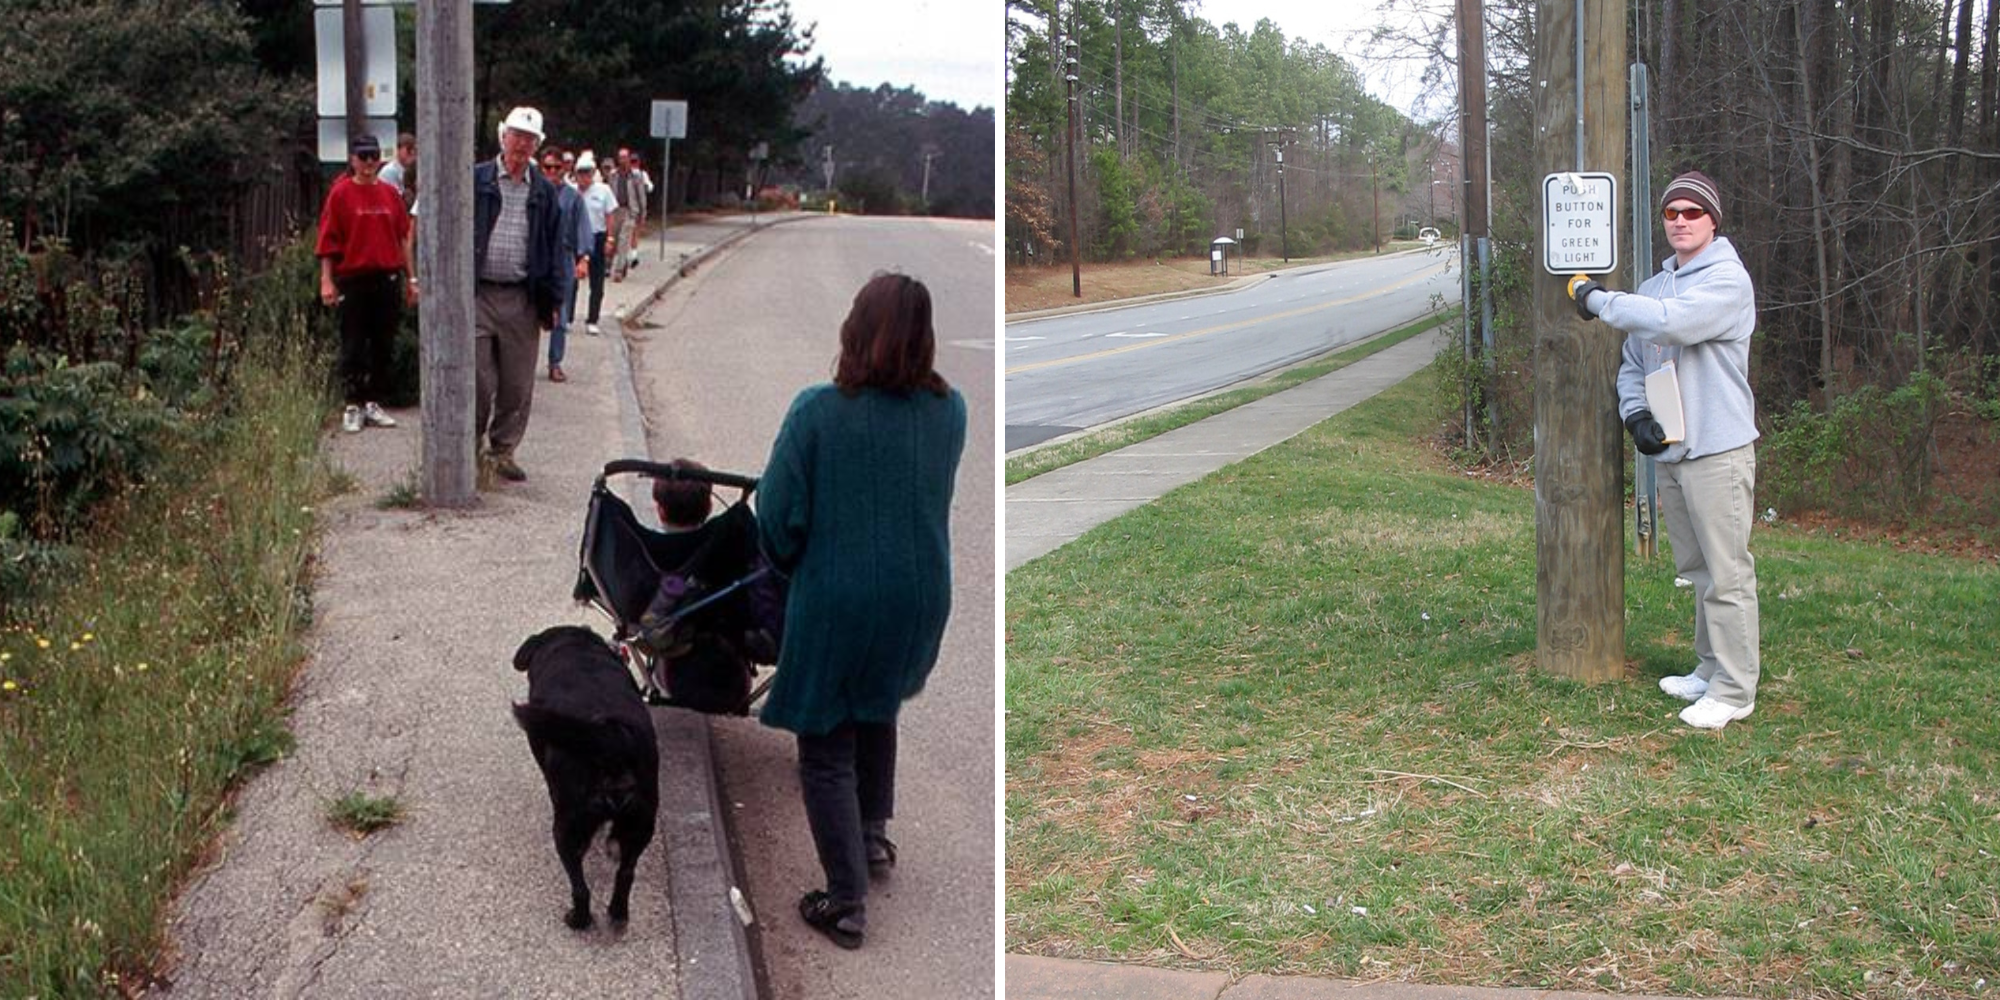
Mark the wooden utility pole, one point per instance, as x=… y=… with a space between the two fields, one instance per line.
x=1118 y=75
x=1284 y=238
x=1472 y=115
x=1376 y=186
x=1579 y=449
x=1075 y=254
x=444 y=249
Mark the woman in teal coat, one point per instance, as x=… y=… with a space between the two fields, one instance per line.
x=855 y=506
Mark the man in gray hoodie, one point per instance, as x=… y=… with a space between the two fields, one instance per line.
x=1697 y=315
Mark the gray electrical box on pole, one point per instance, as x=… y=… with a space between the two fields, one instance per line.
x=444 y=249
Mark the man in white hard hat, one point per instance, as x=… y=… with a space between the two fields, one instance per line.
x=517 y=259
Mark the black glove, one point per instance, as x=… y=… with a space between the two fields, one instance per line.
x=1647 y=434
x=1581 y=293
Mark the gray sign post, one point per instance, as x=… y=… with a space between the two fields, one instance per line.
x=670 y=122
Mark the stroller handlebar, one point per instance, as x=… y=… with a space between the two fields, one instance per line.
x=662 y=470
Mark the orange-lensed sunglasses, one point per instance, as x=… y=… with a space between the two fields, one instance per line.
x=1690 y=214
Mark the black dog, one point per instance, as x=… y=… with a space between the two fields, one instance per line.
x=593 y=737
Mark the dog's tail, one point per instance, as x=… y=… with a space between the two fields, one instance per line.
x=603 y=733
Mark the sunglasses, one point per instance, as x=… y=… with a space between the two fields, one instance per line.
x=552 y=165
x=368 y=157
x=1690 y=214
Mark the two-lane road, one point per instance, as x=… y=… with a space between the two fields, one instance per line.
x=1071 y=372
x=717 y=361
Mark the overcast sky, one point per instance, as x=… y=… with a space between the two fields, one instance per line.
x=944 y=48
x=1390 y=72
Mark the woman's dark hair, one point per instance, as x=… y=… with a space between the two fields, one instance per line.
x=684 y=502
x=886 y=340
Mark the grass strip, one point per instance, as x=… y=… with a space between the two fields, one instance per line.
x=1088 y=446
x=134 y=698
x=1288 y=720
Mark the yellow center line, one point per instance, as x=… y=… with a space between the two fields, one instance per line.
x=1054 y=362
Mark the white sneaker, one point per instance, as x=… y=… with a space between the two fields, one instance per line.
x=350 y=420
x=373 y=416
x=1709 y=713
x=591 y=328
x=1686 y=687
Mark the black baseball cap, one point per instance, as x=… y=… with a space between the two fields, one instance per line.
x=365 y=145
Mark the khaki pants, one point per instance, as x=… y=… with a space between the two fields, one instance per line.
x=505 y=345
x=1706 y=504
x=626 y=240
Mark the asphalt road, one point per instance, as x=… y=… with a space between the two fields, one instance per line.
x=717 y=362
x=1067 y=373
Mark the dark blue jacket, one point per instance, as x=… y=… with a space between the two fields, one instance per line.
x=545 y=260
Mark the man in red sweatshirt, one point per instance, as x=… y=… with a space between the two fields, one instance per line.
x=362 y=270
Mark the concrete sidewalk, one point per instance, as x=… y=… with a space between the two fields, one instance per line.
x=1056 y=507
x=1033 y=978
x=404 y=693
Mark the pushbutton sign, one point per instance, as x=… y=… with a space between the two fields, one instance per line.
x=1579 y=227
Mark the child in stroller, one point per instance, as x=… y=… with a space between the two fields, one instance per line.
x=694 y=602
x=684 y=505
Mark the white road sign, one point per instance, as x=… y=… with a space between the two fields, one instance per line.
x=670 y=119
x=378 y=86
x=333 y=138
x=1579 y=223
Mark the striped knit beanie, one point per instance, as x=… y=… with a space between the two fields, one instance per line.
x=1695 y=187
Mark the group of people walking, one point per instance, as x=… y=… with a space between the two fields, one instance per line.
x=854 y=501
x=537 y=236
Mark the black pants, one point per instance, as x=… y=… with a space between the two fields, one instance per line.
x=848 y=777
x=596 y=276
x=371 y=311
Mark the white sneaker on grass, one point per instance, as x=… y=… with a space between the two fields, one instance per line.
x=350 y=420
x=1686 y=687
x=1710 y=713
x=373 y=416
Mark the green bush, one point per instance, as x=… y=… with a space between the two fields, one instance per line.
x=78 y=427
x=71 y=435
x=1870 y=457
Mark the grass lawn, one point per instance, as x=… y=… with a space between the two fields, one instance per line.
x=1288 y=720
x=1036 y=287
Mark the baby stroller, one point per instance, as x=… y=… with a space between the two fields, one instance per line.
x=692 y=609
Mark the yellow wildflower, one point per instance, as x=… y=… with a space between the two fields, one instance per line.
x=42 y=643
x=9 y=686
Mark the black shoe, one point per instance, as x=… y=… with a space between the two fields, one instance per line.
x=841 y=924
x=505 y=467
x=881 y=855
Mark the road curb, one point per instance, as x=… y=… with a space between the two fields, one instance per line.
x=687 y=266
x=714 y=949
x=1083 y=432
x=1190 y=293
x=1246 y=282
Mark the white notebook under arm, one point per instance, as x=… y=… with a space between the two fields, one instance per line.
x=1663 y=397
